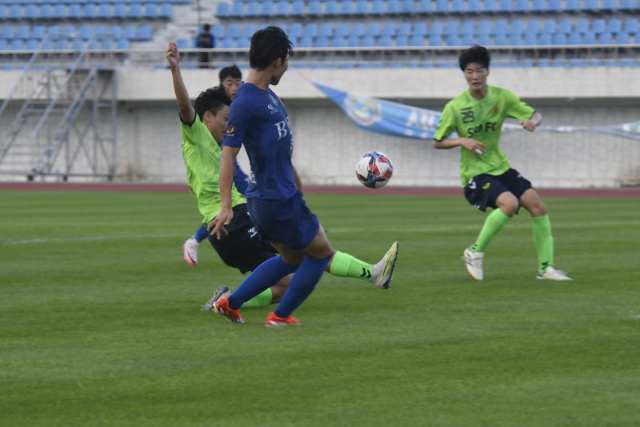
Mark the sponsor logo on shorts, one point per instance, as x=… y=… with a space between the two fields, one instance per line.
x=252 y=232
x=486 y=186
x=519 y=175
x=477 y=206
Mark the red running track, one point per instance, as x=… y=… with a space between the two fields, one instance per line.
x=395 y=191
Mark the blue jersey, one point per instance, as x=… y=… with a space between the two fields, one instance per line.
x=258 y=120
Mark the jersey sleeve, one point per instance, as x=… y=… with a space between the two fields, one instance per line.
x=516 y=109
x=447 y=123
x=240 y=179
x=239 y=119
x=192 y=132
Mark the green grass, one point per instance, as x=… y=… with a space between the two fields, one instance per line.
x=108 y=331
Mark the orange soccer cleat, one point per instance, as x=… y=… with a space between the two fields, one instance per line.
x=273 y=320
x=222 y=308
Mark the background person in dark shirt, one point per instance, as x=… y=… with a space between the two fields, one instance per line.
x=205 y=41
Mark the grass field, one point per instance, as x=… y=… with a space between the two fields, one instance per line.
x=100 y=321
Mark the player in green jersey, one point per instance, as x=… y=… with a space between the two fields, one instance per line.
x=239 y=245
x=477 y=116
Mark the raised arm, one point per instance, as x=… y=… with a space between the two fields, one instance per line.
x=225 y=215
x=187 y=112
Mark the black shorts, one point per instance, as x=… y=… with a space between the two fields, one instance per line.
x=483 y=190
x=242 y=249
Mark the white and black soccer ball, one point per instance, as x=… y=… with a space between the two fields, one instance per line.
x=374 y=169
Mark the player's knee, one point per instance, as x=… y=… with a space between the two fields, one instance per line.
x=508 y=204
x=538 y=209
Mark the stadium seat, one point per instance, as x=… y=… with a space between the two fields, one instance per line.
x=416 y=41
x=297 y=8
x=605 y=38
x=435 y=40
x=368 y=41
x=530 y=39
x=267 y=9
x=282 y=8
x=8 y=32
x=582 y=26
x=442 y=6
x=353 y=41
x=338 y=41
x=522 y=6
x=373 y=30
x=30 y=11
x=610 y=63
x=473 y=6
x=100 y=30
x=15 y=12
x=614 y=26
x=75 y=11
x=17 y=44
x=558 y=62
x=515 y=39
x=572 y=5
x=543 y=62
x=402 y=41
x=589 y=38
x=609 y=5
x=517 y=27
x=377 y=7
x=311 y=30
x=593 y=62
x=457 y=6
x=357 y=29
x=468 y=40
x=437 y=28
x=130 y=31
x=233 y=31
x=346 y=7
x=468 y=27
x=237 y=9
x=420 y=29
x=566 y=26
x=244 y=43
x=69 y=30
x=505 y=6
x=427 y=64
x=253 y=9
x=559 y=39
x=526 y=63
x=104 y=10
x=385 y=41
x=500 y=27
x=348 y=65
x=362 y=7
x=424 y=6
x=217 y=31
x=53 y=29
x=484 y=27
x=248 y=30
x=342 y=30
x=490 y=6
x=598 y=26
x=393 y=7
x=414 y=64
x=38 y=32
x=623 y=38
x=306 y=42
x=322 y=41
x=484 y=39
x=549 y=27
x=545 y=39
x=315 y=8
x=590 y=5
x=23 y=32
x=554 y=6
x=389 y=29
x=166 y=11
x=576 y=63
x=122 y=44
x=451 y=28
x=627 y=62
x=144 y=32
x=135 y=11
x=631 y=26
x=539 y=6
x=574 y=38
x=228 y=43
x=627 y=5
x=404 y=29
x=32 y=44
x=182 y=44
x=331 y=8
x=452 y=40
x=221 y=11
x=408 y=6
x=533 y=27
x=45 y=11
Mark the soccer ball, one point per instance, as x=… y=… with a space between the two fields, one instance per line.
x=374 y=169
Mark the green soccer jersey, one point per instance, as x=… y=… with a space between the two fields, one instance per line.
x=481 y=120
x=202 y=157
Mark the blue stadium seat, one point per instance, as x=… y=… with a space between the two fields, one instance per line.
x=331 y=8
x=69 y=30
x=554 y=6
x=408 y=6
x=130 y=31
x=566 y=26
x=342 y=30
x=75 y=11
x=373 y=29
x=484 y=39
x=451 y=28
x=558 y=62
x=348 y=65
x=247 y=31
x=166 y=11
x=416 y=41
x=233 y=31
x=59 y=11
x=357 y=29
x=393 y=7
x=582 y=26
x=135 y=11
x=282 y=8
x=473 y=6
x=515 y=39
x=338 y=41
x=627 y=5
x=38 y=32
x=533 y=27
x=609 y=5
x=377 y=7
x=574 y=38
x=396 y=65
x=311 y=30
x=420 y=28
x=385 y=41
x=627 y=62
x=490 y=6
x=589 y=38
x=32 y=44
x=500 y=27
x=217 y=31
x=590 y=5
x=221 y=11
x=614 y=26
x=452 y=40
x=434 y=40
x=253 y=9
x=244 y=43
x=576 y=63
x=437 y=28
x=15 y=12
x=404 y=29
x=4 y=47
x=84 y=32
x=427 y=64
x=610 y=63
x=362 y=7
x=306 y=42
x=598 y=26
x=517 y=27
x=457 y=6
x=546 y=39
x=182 y=44
x=100 y=29
x=530 y=39
x=228 y=43
x=104 y=10
x=543 y=62
x=30 y=11
x=315 y=8
x=322 y=41
x=623 y=38
x=605 y=38
x=353 y=41
x=468 y=27
x=45 y=11
x=237 y=9
x=484 y=27
x=549 y=27
x=468 y=40
x=8 y=32
x=297 y=8
x=23 y=32
x=505 y=6
x=522 y=6
x=326 y=29
x=559 y=39
x=144 y=32
x=631 y=26
x=402 y=41
x=414 y=64
x=526 y=63
x=424 y=6
x=593 y=62
x=368 y=41
x=122 y=44
x=572 y=6
x=539 y=6
x=389 y=29
x=442 y=6
x=267 y=9
x=17 y=44
x=346 y=7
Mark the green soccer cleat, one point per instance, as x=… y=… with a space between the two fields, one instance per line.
x=382 y=272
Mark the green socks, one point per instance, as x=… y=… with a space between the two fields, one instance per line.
x=344 y=265
x=543 y=240
x=262 y=300
x=492 y=225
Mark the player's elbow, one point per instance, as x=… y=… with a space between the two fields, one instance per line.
x=437 y=144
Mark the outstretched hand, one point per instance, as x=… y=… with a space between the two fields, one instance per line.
x=172 y=54
x=223 y=218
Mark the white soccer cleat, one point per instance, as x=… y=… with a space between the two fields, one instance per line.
x=190 y=249
x=553 y=274
x=382 y=272
x=474 y=263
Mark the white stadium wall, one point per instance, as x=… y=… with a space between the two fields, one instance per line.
x=327 y=144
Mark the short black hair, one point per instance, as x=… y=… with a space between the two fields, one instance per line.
x=213 y=100
x=267 y=45
x=206 y=27
x=475 y=54
x=233 y=71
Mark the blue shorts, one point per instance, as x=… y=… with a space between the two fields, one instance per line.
x=483 y=190
x=290 y=222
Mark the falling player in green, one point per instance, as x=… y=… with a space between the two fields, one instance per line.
x=477 y=116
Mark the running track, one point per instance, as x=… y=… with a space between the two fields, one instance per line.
x=396 y=191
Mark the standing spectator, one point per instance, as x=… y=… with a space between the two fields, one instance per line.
x=205 y=41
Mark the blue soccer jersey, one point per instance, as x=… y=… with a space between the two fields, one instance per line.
x=258 y=120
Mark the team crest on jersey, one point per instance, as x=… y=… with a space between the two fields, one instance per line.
x=496 y=109
x=230 y=129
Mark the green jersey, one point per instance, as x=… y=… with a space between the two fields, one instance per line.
x=202 y=157
x=481 y=120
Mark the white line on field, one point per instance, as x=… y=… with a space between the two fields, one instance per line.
x=76 y=239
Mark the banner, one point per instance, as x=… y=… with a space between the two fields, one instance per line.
x=391 y=118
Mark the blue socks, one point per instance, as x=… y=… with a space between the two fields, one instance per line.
x=201 y=233
x=265 y=276
x=302 y=284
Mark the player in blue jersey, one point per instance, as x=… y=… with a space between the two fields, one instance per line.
x=280 y=216
x=230 y=80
